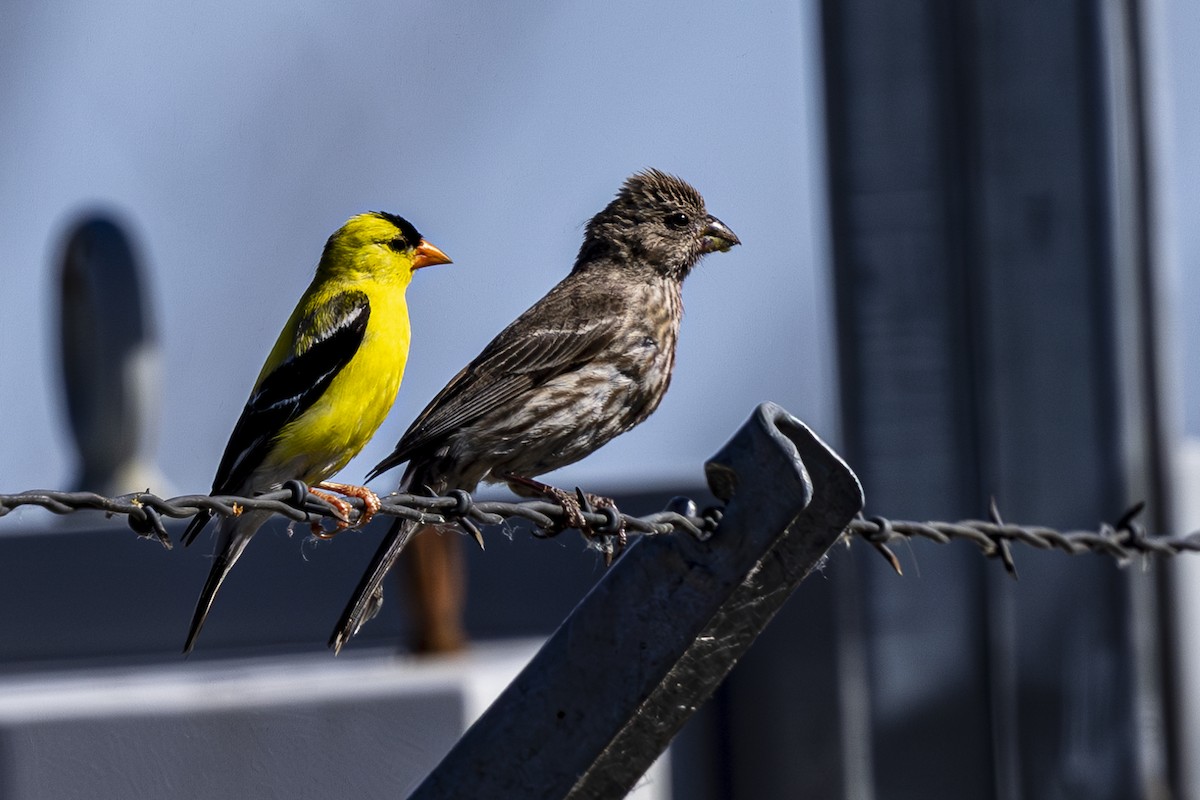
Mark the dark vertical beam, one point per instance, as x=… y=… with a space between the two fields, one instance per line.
x=896 y=188
x=1049 y=377
x=982 y=296
x=899 y=162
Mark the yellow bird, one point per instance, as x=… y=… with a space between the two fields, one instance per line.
x=327 y=385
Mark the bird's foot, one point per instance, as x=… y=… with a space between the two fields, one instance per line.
x=343 y=515
x=371 y=505
x=614 y=541
x=572 y=511
x=613 y=536
x=371 y=502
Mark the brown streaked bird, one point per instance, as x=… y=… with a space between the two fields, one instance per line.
x=587 y=362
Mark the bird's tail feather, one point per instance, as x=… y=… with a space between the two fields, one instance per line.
x=232 y=537
x=195 y=526
x=368 y=597
x=382 y=467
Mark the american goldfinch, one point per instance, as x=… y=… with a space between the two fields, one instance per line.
x=328 y=383
x=587 y=362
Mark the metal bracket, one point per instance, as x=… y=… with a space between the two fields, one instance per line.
x=652 y=640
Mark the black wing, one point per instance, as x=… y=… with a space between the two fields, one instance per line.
x=333 y=333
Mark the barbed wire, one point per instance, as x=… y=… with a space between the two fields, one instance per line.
x=145 y=511
x=1123 y=540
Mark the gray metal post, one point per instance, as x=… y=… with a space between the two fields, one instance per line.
x=110 y=359
x=604 y=696
x=994 y=306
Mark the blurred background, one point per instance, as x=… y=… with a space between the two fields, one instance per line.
x=966 y=263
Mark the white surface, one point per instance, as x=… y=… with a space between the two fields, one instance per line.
x=1186 y=636
x=260 y=684
x=270 y=727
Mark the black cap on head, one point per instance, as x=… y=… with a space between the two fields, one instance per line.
x=411 y=236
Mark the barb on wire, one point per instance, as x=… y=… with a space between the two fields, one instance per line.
x=1124 y=540
x=145 y=511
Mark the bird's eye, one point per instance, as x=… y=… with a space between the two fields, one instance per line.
x=676 y=221
x=398 y=244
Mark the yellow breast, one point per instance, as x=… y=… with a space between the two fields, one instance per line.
x=336 y=428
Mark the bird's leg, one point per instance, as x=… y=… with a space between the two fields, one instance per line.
x=573 y=507
x=371 y=503
x=370 y=500
x=621 y=536
x=572 y=511
x=340 y=506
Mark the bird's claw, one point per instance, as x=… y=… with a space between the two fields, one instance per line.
x=371 y=501
x=612 y=533
x=371 y=506
x=572 y=513
x=342 y=515
x=572 y=509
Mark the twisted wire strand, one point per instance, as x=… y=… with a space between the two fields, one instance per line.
x=1123 y=541
x=145 y=511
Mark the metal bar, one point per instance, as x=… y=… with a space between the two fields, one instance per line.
x=110 y=356
x=650 y=642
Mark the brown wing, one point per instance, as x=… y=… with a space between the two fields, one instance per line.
x=554 y=337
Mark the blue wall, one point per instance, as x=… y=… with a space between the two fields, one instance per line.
x=235 y=138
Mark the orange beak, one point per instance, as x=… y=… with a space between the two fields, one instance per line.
x=426 y=255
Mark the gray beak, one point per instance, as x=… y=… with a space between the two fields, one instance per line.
x=717 y=236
